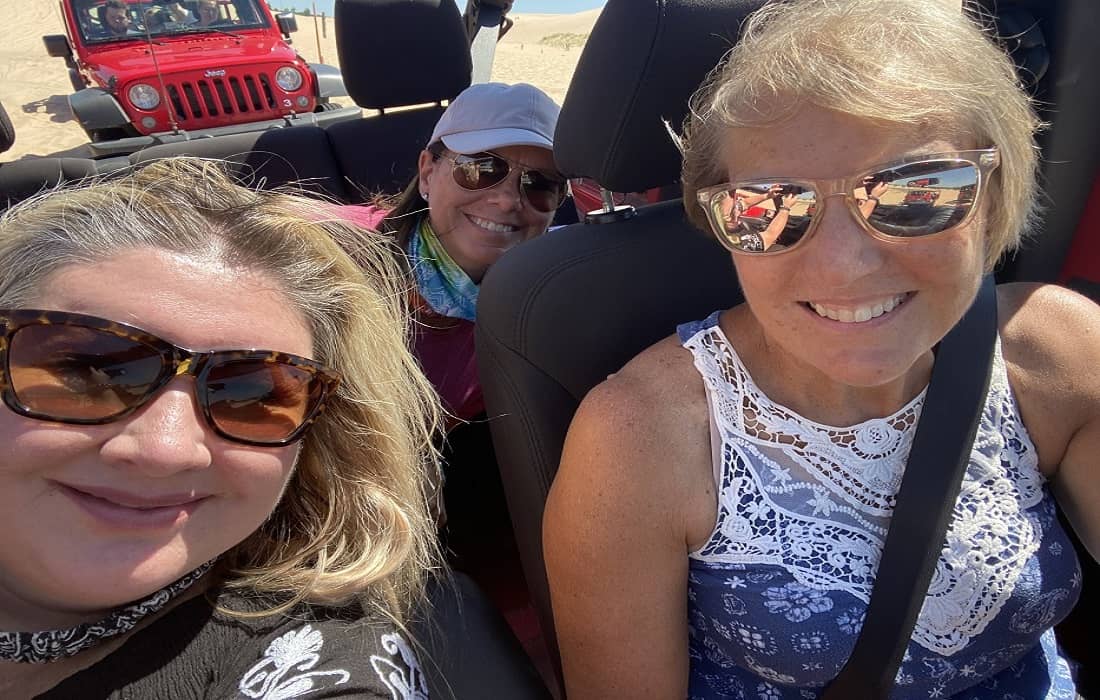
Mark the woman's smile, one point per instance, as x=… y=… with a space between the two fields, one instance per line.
x=858 y=312
x=492 y=226
x=126 y=511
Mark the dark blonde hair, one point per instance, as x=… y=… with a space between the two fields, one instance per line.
x=354 y=520
x=930 y=66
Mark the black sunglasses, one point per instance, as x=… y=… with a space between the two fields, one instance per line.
x=482 y=171
x=915 y=197
x=83 y=370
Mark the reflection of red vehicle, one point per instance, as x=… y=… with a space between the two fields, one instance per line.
x=921 y=197
x=923 y=182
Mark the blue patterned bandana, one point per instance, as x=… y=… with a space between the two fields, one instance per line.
x=445 y=286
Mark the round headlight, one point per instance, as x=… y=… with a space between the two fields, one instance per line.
x=144 y=96
x=288 y=78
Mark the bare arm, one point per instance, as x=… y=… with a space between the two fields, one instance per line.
x=874 y=191
x=1052 y=346
x=779 y=221
x=750 y=199
x=614 y=539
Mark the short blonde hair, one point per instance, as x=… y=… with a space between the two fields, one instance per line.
x=354 y=520
x=909 y=63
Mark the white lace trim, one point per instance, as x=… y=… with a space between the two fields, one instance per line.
x=816 y=499
x=286 y=671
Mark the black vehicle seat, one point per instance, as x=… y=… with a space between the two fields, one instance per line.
x=23 y=178
x=386 y=68
x=300 y=156
x=558 y=314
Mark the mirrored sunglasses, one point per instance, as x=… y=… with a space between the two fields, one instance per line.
x=84 y=370
x=910 y=198
x=482 y=171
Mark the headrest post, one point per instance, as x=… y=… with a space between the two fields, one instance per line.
x=608 y=200
x=610 y=212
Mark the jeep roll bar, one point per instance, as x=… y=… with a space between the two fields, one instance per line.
x=486 y=23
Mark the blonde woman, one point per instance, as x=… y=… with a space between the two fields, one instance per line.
x=216 y=445
x=716 y=525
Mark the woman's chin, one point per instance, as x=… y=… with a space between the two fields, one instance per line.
x=87 y=589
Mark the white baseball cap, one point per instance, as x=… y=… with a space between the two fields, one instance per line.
x=486 y=116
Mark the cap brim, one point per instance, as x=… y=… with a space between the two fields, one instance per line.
x=490 y=139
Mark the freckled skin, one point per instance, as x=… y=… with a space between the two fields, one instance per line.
x=825 y=368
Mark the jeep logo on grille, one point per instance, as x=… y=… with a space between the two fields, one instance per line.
x=215 y=73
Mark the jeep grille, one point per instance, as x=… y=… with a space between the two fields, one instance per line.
x=236 y=98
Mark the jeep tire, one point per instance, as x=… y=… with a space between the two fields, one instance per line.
x=77 y=80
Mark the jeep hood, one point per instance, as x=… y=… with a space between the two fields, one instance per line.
x=188 y=53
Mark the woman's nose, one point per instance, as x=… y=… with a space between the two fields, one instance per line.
x=507 y=194
x=165 y=436
x=840 y=246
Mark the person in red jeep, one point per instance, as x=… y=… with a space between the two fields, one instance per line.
x=116 y=18
x=207 y=12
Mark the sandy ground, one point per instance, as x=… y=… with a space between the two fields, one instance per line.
x=34 y=88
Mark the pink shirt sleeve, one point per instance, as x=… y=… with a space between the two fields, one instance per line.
x=366 y=216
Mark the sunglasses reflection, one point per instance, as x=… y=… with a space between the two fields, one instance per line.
x=80 y=373
x=268 y=398
x=68 y=372
x=902 y=202
x=757 y=220
x=481 y=171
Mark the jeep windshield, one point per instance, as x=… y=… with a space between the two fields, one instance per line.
x=106 y=21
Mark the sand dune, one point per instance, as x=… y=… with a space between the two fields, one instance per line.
x=34 y=88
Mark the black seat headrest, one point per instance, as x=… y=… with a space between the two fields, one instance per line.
x=642 y=62
x=401 y=52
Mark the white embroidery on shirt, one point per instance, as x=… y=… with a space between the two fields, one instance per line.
x=400 y=671
x=294 y=652
x=816 y=499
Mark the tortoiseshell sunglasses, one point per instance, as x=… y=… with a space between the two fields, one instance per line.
x=915 y=197
x=84 y=370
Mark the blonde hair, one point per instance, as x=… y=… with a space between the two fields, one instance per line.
x=354 y=520
x=909 y=63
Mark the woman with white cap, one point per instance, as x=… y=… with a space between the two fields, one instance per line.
x=485 y=182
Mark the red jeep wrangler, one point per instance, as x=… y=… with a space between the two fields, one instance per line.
x=147 y=72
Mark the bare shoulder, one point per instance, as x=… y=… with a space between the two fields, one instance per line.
x=1051 y=342
x=643 y=433
x=1050 y=332
x=622 y=513
x=660 y=382
x=647 y=404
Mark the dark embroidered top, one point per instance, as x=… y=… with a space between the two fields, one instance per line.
x=197 y=652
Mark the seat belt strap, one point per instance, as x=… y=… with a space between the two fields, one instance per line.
x=923 y=508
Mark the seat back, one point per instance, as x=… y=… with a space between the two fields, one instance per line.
x=407 y=54
x=558 y=314
x=24 y=178
x=300 y=156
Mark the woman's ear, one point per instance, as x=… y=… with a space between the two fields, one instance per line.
x=425 y=168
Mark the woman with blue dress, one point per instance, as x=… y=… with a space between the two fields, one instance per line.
x=717 y=522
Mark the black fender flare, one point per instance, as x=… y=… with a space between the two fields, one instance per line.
x=7 y=131
x=97 y=109
x=330 y=82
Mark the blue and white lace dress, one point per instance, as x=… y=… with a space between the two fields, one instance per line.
x=778 y=593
